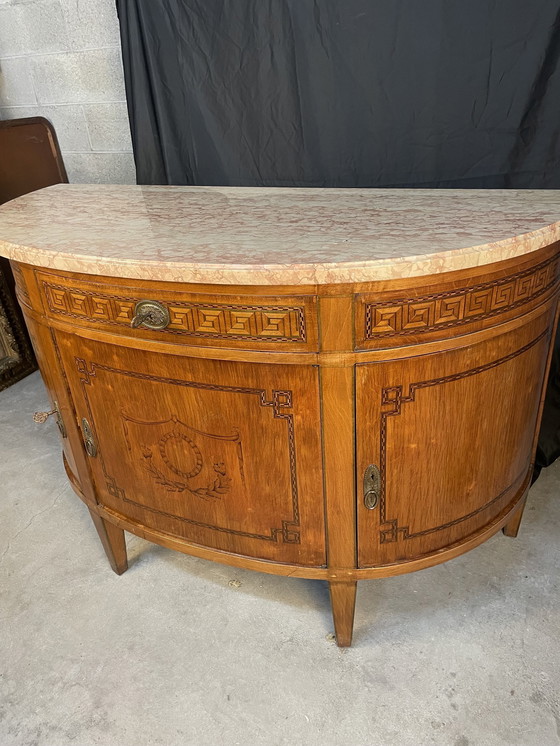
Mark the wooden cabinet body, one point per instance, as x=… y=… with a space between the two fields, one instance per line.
x=242 y=431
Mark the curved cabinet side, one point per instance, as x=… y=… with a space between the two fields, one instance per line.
x=54 y=378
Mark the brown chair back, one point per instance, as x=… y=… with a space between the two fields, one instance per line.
x=30 y=159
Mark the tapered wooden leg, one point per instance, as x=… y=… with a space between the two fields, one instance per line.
x=343 y=603
x=512 y=526
x=113 y=542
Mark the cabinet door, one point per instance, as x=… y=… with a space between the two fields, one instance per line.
x=452 y=435
x=223 y=454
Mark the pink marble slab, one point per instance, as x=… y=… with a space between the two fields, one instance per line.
x=270 y=236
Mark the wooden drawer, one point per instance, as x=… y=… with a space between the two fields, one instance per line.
x=236 y=321
x=428 y=312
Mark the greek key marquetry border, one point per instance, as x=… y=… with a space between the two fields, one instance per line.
x=465 y=305
x=392 y=396
x=281 y=400
x=256 y=323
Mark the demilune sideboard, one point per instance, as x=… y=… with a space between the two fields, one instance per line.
x=331 y=384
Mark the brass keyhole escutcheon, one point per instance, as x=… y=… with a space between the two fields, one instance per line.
x=372 y=485
x=150 y=314
x=89 y=440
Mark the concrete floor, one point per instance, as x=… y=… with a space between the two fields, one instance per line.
x=183 y=651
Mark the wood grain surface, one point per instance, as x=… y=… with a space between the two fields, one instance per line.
x=241 y=432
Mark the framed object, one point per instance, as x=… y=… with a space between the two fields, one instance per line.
x=16 y=355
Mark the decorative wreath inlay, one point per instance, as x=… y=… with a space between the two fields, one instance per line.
x=220 y=486
x=192 y=445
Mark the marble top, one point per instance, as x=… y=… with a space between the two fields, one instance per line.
x=273 y=236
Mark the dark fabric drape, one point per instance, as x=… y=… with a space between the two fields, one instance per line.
x=348 y=93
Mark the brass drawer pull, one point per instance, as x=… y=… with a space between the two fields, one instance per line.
x=89 y=440
x=372 y=484
x=150 y=314
x=41 y=417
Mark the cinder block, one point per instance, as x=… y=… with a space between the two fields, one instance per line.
x=16 y=82
x=13 y=34
x=79 y=77
x=91 y=24
x=45 y=27
x=100 y=168
x=32 y=28
x=19 y=112
x=69 y=123
x=108 y=126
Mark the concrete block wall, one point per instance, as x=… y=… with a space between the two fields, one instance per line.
x=61 y=59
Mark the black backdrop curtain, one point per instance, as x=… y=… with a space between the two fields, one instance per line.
x=348 y=93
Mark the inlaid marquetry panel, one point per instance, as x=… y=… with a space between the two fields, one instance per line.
x=428 y=314
x=392 y=401
x=270 y=321
x=452 y=434
x=219 y=454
